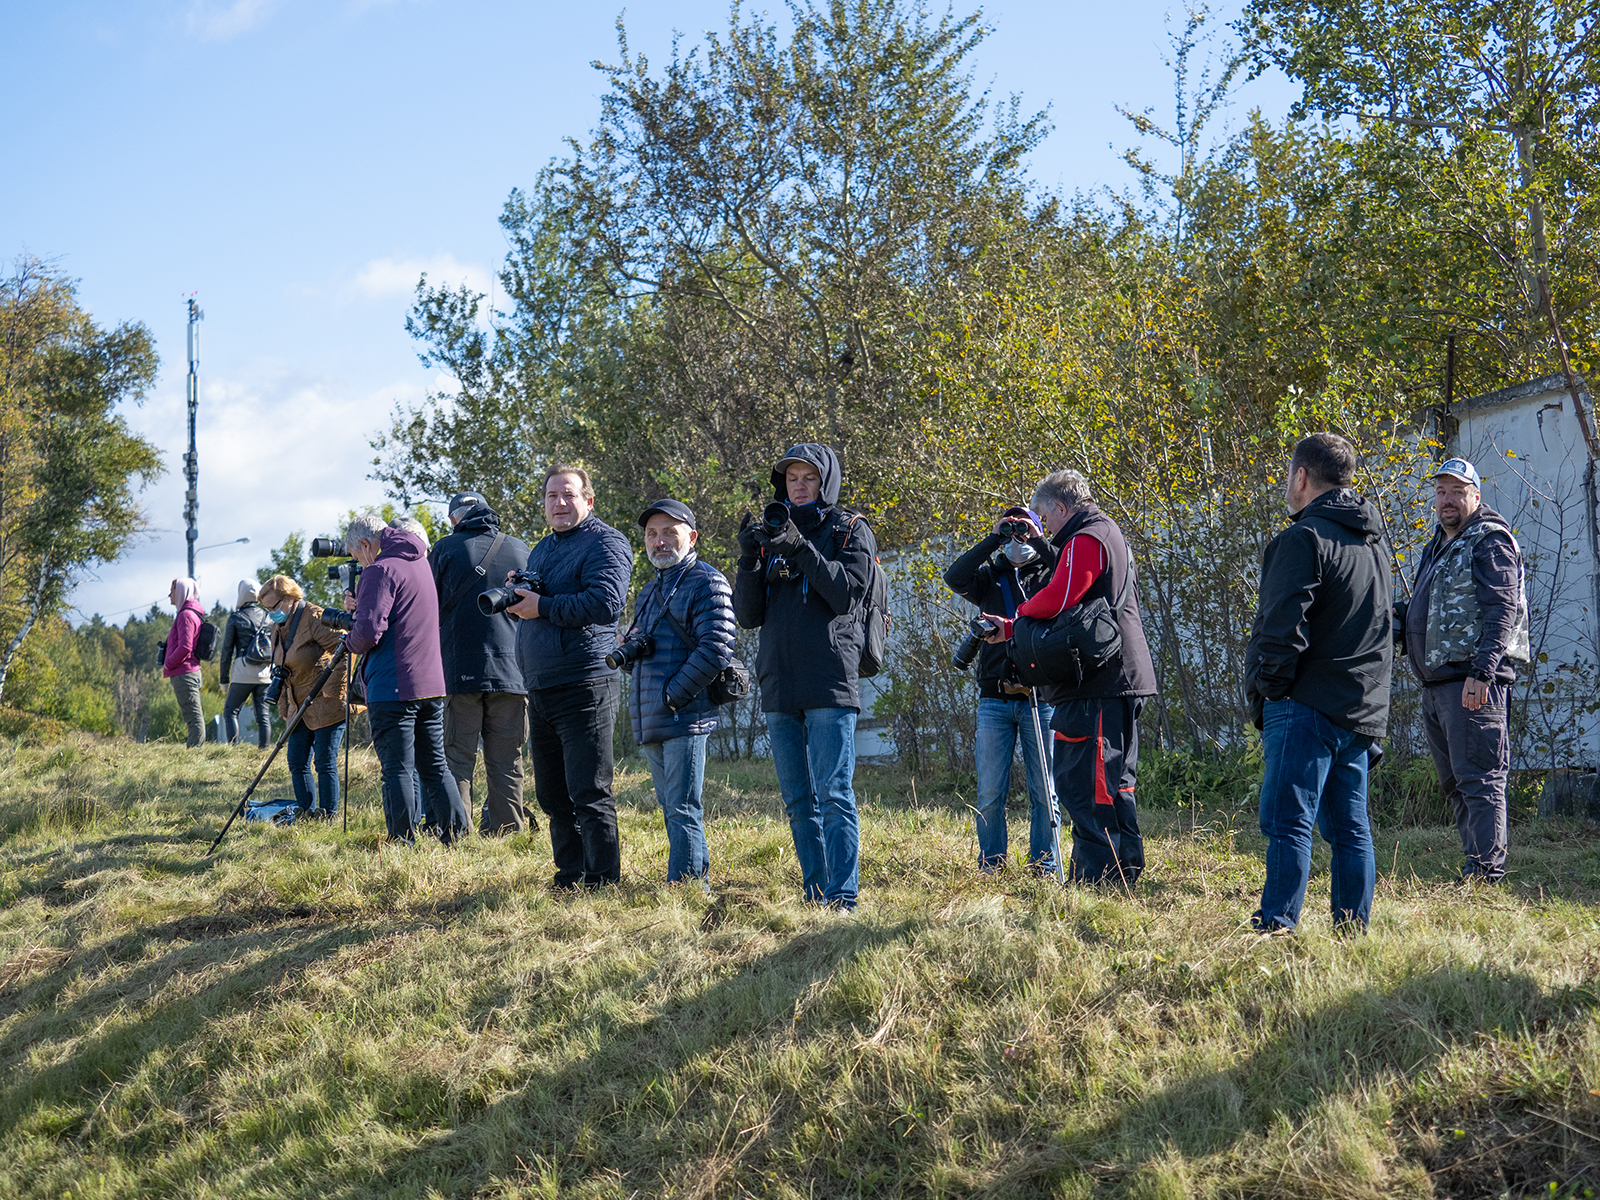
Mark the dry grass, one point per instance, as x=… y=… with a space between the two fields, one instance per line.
x=312 y=1013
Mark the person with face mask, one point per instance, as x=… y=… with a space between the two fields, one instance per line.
x=999 y=572
x=302 y=647
x=680 y=639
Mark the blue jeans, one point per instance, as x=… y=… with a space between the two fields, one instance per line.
x=323 y=745
x=408 y=736
x=1001 y=724
x=1316 y=774
x=815 y=755
x=678 y=768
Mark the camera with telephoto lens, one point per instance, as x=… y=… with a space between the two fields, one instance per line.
x=977 y=631
x=346 y=574
x=326 y=548
x=774 y=517
x=337 y=618
x=497 y=600
x=1017 y=531
x=279 y=674
x=640 y=645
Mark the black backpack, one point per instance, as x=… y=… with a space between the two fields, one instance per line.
x=205 y=641
x=875 y=616
x=257 y=651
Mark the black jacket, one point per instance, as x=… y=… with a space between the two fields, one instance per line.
x=810 y=652
x=668 y=697
x=585 y=573
x=1323 y=634
x=479 y=652
x=986 y=577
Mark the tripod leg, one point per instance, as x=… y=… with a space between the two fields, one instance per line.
x=1049 y=787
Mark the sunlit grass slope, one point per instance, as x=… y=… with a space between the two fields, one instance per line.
x=313 y=1013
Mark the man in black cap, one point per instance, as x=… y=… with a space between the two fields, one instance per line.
x=485 y=697
x=680 y=639
x=1465 y=627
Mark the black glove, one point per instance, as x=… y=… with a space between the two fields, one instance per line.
x=1400 y=625
x=749 y=536
x=786 y=539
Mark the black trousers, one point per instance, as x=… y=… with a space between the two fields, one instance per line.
x=408 y=736
x=1096 y=761
x=569 y=736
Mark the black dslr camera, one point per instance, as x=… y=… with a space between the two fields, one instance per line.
x=774 y=517
x=279 y=674
x=497 y=600
x=977 y=630
x=348 y=574
x=337 y=618
x=640 y=645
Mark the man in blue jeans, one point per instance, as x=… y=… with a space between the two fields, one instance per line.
x=804 y=587
x=1002 y=570
x=1317 y=677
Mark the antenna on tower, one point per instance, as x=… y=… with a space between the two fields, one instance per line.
x=191 y=459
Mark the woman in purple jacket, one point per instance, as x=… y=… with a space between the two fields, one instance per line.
x=180 y=663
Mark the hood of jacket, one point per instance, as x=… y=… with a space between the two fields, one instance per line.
x=1346 y=507
x=480 y=518
x=397 y=543
x=819 y=456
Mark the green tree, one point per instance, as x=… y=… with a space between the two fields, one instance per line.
x=69 y=464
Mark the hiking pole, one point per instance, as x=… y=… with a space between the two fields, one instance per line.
x=344 y=796
x=1049 y=786
x=283 y=737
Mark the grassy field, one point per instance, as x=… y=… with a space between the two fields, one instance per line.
x=313 y=1013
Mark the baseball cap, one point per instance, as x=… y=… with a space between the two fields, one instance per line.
x=1017 y=510
x=676 y=509
x=1460 y=468
x=465 y=500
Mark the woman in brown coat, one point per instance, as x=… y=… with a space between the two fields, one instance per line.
x=304 y=646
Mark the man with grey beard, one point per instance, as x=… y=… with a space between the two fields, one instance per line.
x=680 y=639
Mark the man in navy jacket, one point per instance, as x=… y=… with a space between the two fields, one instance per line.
x=568 y=627
x=686 y=612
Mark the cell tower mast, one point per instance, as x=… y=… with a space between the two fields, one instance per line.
x=191 y=460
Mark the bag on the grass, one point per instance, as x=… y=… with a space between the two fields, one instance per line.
x=278 y=811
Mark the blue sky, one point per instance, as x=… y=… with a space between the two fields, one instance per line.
x=298 y=163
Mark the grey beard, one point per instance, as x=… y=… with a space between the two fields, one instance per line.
x=663 y=560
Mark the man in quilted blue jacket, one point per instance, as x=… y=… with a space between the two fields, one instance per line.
x=685 y=616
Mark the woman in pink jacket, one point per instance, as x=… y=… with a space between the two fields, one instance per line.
x=180 y=664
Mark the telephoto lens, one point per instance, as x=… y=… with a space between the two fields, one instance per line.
x=326 y=548
x=774 y=517
x=279 y=674
x=337 y=618
x=977 y=631
x=637 y=647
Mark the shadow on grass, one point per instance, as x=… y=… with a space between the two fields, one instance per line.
x=1308 y=1059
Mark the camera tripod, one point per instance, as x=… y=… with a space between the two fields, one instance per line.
x=1049 y=786
x=322 y=681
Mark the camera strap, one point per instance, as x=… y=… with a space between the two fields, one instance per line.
x=479 y=574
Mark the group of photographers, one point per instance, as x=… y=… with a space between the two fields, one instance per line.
x=450 y=658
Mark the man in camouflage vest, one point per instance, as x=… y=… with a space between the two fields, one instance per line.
x=1466 y=625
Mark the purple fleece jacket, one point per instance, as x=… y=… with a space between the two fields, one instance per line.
x=397 y=622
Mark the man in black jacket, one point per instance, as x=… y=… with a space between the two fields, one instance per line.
x=997 y=574
x=1466 y=625
x=1317 y=678
x=805 y=588
x=567 y=630
x=484 y=694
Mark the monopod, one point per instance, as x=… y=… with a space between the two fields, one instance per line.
x=322 y=681
x=1049 y=785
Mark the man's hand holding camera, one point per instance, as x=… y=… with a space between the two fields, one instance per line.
x=528 y=606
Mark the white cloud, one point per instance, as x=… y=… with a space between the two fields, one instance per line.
x=384 y=277
x=218 y=22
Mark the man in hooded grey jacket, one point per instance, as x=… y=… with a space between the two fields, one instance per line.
x=804 y=588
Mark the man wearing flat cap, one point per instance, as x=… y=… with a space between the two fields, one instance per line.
x=484 y=693
x=682 y=633
x=1465 y=628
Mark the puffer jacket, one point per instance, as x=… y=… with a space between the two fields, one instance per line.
x=1323 y=634
x=805 y=604
x=307 y=656
x=479 y=652
x=585 y=573
x=668 y=697
x=237 y=636
x=1469 y=612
